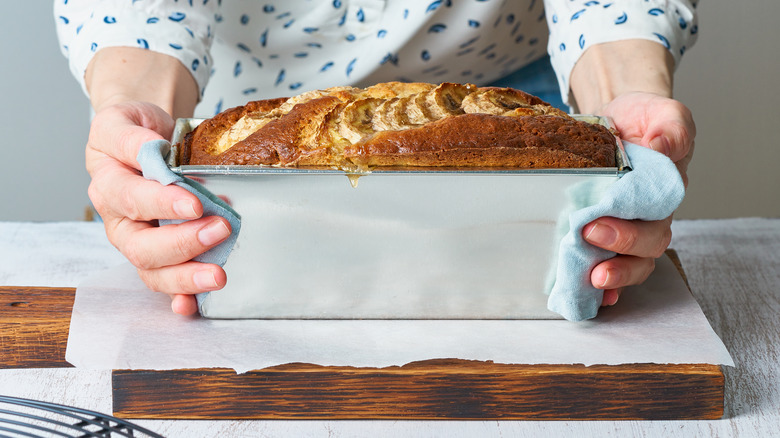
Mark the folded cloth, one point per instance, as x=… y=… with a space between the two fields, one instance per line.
x=652 y=190
x=151 y=157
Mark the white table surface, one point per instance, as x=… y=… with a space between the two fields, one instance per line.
x=733 y=267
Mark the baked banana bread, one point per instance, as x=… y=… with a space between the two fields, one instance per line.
x=400 y=125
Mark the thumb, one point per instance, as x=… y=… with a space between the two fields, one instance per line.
x=671 y=131
x=120 y=130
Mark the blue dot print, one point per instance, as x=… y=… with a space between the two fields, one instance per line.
x=351 y=66
x=177 y=16
x=310 y=44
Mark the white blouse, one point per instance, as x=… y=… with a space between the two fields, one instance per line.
x=247 y=50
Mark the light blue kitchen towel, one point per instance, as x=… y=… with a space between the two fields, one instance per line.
x=652 y=190
x=151 y=157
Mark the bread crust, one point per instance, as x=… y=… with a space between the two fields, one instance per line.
x=198 y=144
x=401 y=125
x=484 y=140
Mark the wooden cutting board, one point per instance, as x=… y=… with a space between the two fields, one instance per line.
x=34 y=326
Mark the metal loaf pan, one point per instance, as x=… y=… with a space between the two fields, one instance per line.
x=453 y=244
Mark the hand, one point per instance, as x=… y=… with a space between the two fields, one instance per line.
x=666 y=126
x=130 y=206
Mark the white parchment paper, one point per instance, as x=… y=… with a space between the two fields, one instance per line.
x=118 y=323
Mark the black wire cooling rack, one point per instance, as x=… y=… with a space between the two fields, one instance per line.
x=22 y=418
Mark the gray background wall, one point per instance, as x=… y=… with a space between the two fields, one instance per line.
x=729 y=80
x=43 y=120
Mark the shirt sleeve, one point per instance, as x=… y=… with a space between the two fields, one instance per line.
x=576 y=25
x=182 y=29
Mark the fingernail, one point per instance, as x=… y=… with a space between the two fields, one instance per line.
x=185 y=209
x=601 y=235
x=600 y=278
x=661 y=144
x=605 y=279
x=610 y=298
x=213 y=233
x=205 y=280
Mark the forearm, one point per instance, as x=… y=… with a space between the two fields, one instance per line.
x=608 y=70
x=120 y=74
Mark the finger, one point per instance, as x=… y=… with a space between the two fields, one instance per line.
x=120 y=130
x=682 y=165
x=637 y=238
x=671 y=130
x=653 y=121
x=150 y=247
x=621 y=271
x=184 y=304
x=184 y=279
x=120 y=191
x=611 y=297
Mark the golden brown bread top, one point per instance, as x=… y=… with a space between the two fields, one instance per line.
x=401 y=124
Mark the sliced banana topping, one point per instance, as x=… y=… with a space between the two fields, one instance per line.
x=391 y=90
x=417 y=111
x=356 y=119
x=360 y=113
x=391 y=115
x=445 y=100
x=493 y=102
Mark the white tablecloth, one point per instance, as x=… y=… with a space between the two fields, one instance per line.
x=733 y=267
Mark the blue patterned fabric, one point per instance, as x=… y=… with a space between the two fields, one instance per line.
x=577 y=25
x=253 y=50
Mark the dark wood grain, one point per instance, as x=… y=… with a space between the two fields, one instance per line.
x=34 y=323
x=435 y=389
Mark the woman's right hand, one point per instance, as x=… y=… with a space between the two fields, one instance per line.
x=130 y=206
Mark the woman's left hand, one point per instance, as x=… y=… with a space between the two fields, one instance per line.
x=664 y=125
